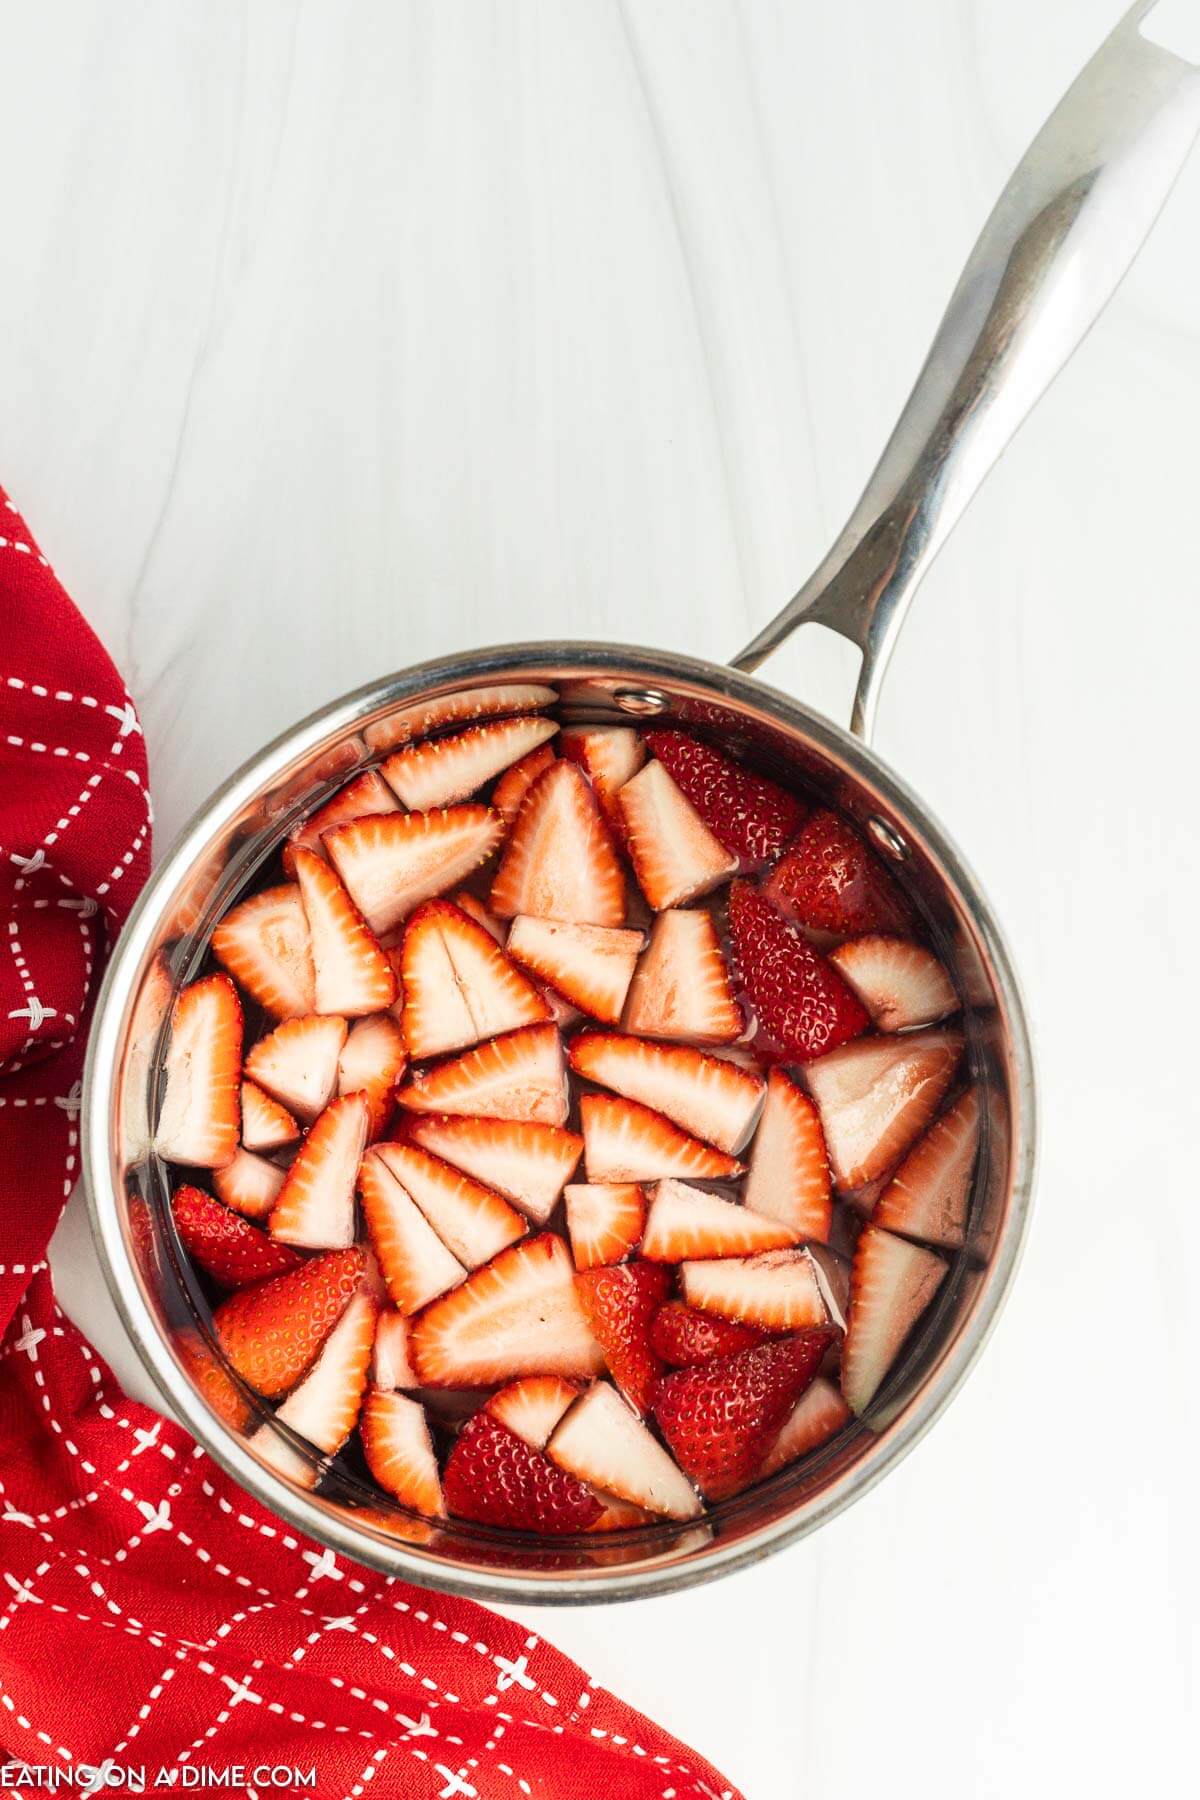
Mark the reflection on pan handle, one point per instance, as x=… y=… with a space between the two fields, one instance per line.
x=1057 y=244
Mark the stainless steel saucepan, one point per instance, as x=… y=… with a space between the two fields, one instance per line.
x=1057 y=244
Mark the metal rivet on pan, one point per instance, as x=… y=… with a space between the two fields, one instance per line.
x=888 y=838
x=643 y=701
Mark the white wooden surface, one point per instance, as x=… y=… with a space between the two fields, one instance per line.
x=336 y=336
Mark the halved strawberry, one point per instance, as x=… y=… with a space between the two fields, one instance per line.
x=892 y=1284
x=929 y=1195
x=440 y=770
x=623 y=1141
x=681 y=988
x=324 y=1408
x=362 y=798
x=518 y=1076
x=519 y=1315
x=830 y=880
x=876 y=1098
x=527 y=1163
x=589 y=965
x=900 y=983
x=681 y=1336
x=263 y=942
x=777 y=1290
x=687 y=1222
x=372 y=1061
x=602 y=1441
x=620 y=1304
x=233 y=1251
x=201 y=1110
x=391 y=1364
x=513 y=786
x=315 y=1207
x=415 y=1264
x=819 y=1414
x=753 y=817
x=789 y=1169
x=609 y=755
x=297 y=1063
x=675 y=856
x=351 y=974
x=265 y=1124
x=560 y=862
x=399 y=1453
x=803 y=1007
x=604 y=1221
x=722 y=1417
x=394 y=861
x=272 y=1331
x=493 y=1477
x=474 y=1223
x=250 y=1184
x=532 y=1407
x=404 y=723
x=459 y=986
x=705 y=1095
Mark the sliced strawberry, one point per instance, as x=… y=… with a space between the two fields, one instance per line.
x=459 y=986
x=519 y=1076
x=324 y=1408
x=391 y=1364
x=265 y=1124
x=753 y=817
x=352 y=976
x=528 y=1164
x=627 y=1142
x=929 y=1195
x=399 y=1453
x=404 y=723
x=620 y=1304
x=263 y=942
x=372 y=1061
x=201 y=1111
x=675 y=856
x=776 y=1291
x=315 y=1207
x=474 y=1223
x=705 y=1095
x=560 y=862
x=876 y=1098
x=900 y=983
x=150 y=1008
x=440 y=770
x=682 y=1337
x=211 y=1377
x=493 y=1477
x=829 y=880
x=272 y=1331
x=892 y=1284
x=618 y=1514
x=803 y=1007
x=519 y=1315
x=532 y=1407
x=604 y=1220
x=297 y=1063
x=789 y=1169
x=249 y=1184
x=687 y=1222
x=681 y=988
x=589 y=965
x=475 y=909
x=364 y=797
x=721 y=1418
x=819 y=1414
x=609 y=755
x=603 y=1442
x=513 y=786
x=233 y=1251
x=415 y=1264
x=392 y=862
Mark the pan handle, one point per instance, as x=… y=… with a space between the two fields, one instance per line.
x=1057 y=244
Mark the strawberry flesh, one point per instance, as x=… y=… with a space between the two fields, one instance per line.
x=750 y=815
x=804 y=1008
x=494 y=1478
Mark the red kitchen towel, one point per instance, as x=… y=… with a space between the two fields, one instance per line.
x=152 y=1616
